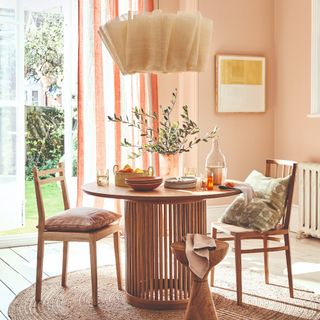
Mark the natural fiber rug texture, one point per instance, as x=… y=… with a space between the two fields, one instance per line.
x=261 y=301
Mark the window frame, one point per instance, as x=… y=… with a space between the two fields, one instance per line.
x=17 y=211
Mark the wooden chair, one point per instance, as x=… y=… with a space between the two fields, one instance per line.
x=274 y=168
x=75 y=232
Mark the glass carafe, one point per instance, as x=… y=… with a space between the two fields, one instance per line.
x=216 y=167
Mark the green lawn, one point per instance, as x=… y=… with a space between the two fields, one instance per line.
x=52 y=200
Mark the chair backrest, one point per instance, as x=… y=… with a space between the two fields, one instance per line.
x=279 y=169
x=45 y=177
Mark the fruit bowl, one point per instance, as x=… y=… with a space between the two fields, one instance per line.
x=121 y=175
x=144 y=183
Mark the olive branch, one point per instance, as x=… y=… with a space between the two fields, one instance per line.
x=170 y=137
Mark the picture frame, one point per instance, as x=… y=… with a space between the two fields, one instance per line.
x=240 y=83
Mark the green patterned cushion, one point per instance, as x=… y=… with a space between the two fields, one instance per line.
x=266 y=208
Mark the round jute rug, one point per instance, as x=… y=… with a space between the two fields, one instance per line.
x=261 y=302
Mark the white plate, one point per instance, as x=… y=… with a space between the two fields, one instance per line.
x=180 y=185
x=181 y=180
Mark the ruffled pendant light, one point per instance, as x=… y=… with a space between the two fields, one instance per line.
x=159 y=42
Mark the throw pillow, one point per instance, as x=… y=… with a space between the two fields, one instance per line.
x=82 y=219
x=266 y=208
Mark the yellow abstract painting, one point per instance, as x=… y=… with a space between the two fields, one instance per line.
x=241 y=72
x=240 y=83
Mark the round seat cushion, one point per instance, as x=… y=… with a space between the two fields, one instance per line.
x=81 y=219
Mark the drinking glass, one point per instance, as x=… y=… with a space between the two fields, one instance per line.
x=209 y=181
x=102 y=177
x=202 y=182
x=190 y=172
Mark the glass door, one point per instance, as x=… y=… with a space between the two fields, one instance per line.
x=38 y=86
x=11 y=116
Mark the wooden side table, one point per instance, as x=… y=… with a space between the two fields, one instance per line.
x=200 y=304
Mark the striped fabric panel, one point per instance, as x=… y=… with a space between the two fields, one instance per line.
x=80 y=167
x=143 y=92
x=100 y=117
x=155 y=108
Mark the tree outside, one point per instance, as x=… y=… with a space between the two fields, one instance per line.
x=44 y=53
x=44 y=66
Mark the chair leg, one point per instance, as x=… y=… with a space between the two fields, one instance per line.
x=40 y=253
x=64 y=264
x=266 y=260
x=237 y=247
x=289 y=269
x=94 y=276
x=214 y=236
x=116 y=244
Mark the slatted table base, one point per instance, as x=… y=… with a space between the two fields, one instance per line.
x=154 y=277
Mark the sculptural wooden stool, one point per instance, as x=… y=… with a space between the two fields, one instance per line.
x=200 y=304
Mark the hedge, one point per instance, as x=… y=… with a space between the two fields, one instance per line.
x=44 y=137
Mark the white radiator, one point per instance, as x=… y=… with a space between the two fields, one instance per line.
x=309 y=198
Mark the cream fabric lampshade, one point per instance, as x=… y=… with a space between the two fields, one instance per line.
x=159 y=42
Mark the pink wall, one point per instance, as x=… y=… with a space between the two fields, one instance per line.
x=240 y=27
x=281 y=31
x=296 y=134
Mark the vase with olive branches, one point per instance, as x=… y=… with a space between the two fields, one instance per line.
x=169 y=139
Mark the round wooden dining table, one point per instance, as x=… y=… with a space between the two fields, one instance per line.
x=153 y=221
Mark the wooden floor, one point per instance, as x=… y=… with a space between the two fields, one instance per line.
x=17 y=265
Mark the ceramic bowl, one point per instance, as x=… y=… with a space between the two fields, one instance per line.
x=144 y=183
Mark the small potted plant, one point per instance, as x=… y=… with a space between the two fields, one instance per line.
x=171 y=138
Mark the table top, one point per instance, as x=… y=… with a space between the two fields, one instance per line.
x=160 y=194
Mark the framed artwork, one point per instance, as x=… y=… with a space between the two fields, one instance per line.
x=240 y=83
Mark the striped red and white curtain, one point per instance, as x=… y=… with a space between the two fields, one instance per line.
x=103 y=91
